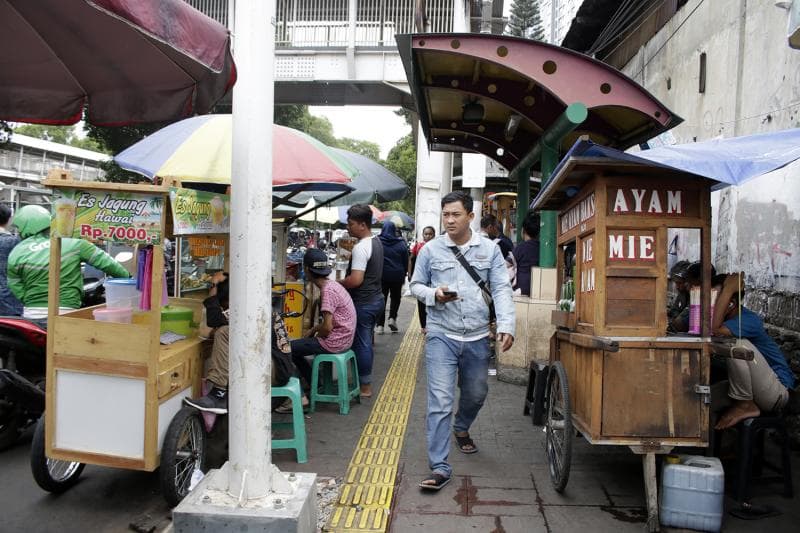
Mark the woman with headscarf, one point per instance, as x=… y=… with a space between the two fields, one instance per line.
x=395 y=263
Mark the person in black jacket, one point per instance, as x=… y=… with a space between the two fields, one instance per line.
x=494 y=230
x=216 y=401
x=395 y=264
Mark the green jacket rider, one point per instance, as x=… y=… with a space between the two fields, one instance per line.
x=28 y=264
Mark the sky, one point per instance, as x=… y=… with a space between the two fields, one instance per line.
x=366 y=123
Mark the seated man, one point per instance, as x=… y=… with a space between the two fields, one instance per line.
x=216 y=401
x=335 y=333
x=754 y=386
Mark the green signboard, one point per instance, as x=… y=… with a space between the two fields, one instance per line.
x=117 y=216
x=199 y=212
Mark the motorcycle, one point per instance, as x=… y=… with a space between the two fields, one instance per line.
x=22 y=374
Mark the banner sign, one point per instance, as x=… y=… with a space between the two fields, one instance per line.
x=117 y=216
x=199 y=212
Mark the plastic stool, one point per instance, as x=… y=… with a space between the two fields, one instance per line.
x=298 y=424
x=341 y=395
x=751 y=439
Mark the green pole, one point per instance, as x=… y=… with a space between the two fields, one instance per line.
x=547 y=220
x=547 y=150
x=523 y=197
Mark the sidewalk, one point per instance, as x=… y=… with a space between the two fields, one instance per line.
x=506 y=486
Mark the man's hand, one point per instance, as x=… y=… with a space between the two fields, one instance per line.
x=732 y=280
x=442 y=297
x=505 y=340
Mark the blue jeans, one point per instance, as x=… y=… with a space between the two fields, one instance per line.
x=451 y=362
x=366 y=315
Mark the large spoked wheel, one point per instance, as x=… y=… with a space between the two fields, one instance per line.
x=52 y=475
x=558 y=426
x=184 y=449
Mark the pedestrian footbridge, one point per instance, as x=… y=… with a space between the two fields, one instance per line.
x=342 y=52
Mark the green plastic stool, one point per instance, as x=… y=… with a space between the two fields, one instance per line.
x=298 y=442
x=341 y=394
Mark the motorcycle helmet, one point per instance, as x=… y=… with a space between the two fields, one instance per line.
x=30 y=220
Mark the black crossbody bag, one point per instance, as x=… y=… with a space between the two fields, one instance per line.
x=487 y=295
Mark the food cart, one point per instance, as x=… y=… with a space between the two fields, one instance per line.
x=615 y=374
x=113 y=387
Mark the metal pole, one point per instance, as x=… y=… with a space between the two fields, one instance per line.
x=249 y=398
x=547 y=150
x=523 y=197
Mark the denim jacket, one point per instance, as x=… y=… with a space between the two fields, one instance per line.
x=469 y=315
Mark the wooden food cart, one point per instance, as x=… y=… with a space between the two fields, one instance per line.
x=113 y=388
x=615 y=374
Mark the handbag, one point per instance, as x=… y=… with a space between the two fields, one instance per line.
x=487 y=295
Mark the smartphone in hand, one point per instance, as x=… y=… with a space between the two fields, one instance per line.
x=450 y=294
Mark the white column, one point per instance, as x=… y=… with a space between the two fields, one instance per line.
x=434 y=175
x=249 y=399
x=460 y=16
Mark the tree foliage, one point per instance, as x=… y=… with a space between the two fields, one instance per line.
x=525 y=20
x=402 y=160
x=365 y=148
x=59 y=134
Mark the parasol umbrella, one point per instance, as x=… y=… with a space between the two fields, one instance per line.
x=198 y=149
x=400 y=219
x=143 y=61
x=373 y=183
x=333 y=215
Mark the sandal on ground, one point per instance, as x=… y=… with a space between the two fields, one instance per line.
x=434 y=482
x=286 y=407
x=466 y=444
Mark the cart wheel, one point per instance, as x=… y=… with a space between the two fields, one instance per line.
x=52 y=475
x=558 y=426
x=184 y=449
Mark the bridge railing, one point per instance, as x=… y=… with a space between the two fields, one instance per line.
x=329 y=23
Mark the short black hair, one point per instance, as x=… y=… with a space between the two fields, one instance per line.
x=458 y=196
x=5 y=214
x=694 y=272
x=430 y=228
x=360 y=213
x=488 y=221
x=531 y=225
x=223 y=290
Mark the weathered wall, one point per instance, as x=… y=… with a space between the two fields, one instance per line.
x=752 y=86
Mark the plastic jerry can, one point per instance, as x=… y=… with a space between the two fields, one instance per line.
x=692 y=491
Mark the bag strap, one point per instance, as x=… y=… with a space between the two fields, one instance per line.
x=477 y=279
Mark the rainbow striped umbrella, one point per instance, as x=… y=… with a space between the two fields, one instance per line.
x=198 y=149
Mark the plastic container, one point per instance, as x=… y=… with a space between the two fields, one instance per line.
x=122 y=292
x=177 y=319
x=692 y=492
x=122 y=315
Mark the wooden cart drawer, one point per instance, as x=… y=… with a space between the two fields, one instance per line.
x=174 y=378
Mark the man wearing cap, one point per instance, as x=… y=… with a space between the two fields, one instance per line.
x=335 y=333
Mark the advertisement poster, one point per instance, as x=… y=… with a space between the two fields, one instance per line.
x=199 y=212
x=97 y=215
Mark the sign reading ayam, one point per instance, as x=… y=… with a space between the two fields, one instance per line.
x=199 y=212
x=117 y=216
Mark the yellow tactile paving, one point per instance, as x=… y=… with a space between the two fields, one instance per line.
x=365 y=498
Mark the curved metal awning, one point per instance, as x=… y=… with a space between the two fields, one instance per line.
x=523 y=81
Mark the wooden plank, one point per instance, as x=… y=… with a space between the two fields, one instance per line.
x=54 y=283
x=630 y=272
x=588 y=341
x=600 y=249
x=98 y=459
x=101 y=340
x=105 y=186
x=596 y=393
x=100 y=366
x=661 y=280
x=562 y=319
x=631 y=288
x=625 y=313
x=151 y=395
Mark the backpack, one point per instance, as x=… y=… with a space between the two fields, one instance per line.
x=282 y=365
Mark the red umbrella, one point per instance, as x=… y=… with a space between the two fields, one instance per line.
x=131 y=61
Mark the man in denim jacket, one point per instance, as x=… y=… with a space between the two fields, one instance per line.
x=457 y=342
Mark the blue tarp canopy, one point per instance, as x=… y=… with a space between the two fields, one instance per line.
x=724 y=161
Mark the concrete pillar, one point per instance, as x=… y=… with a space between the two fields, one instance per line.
x=434 y=177
x=248 y=493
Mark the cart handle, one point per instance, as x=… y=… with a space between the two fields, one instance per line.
x=588 y=341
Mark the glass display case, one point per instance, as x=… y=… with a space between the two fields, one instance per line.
x=200 y=258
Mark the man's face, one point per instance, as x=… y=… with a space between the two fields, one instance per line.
x=354 y=228
x=456 y=220
x=427 y=234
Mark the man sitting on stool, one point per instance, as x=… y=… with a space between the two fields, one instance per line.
x=754 y=386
